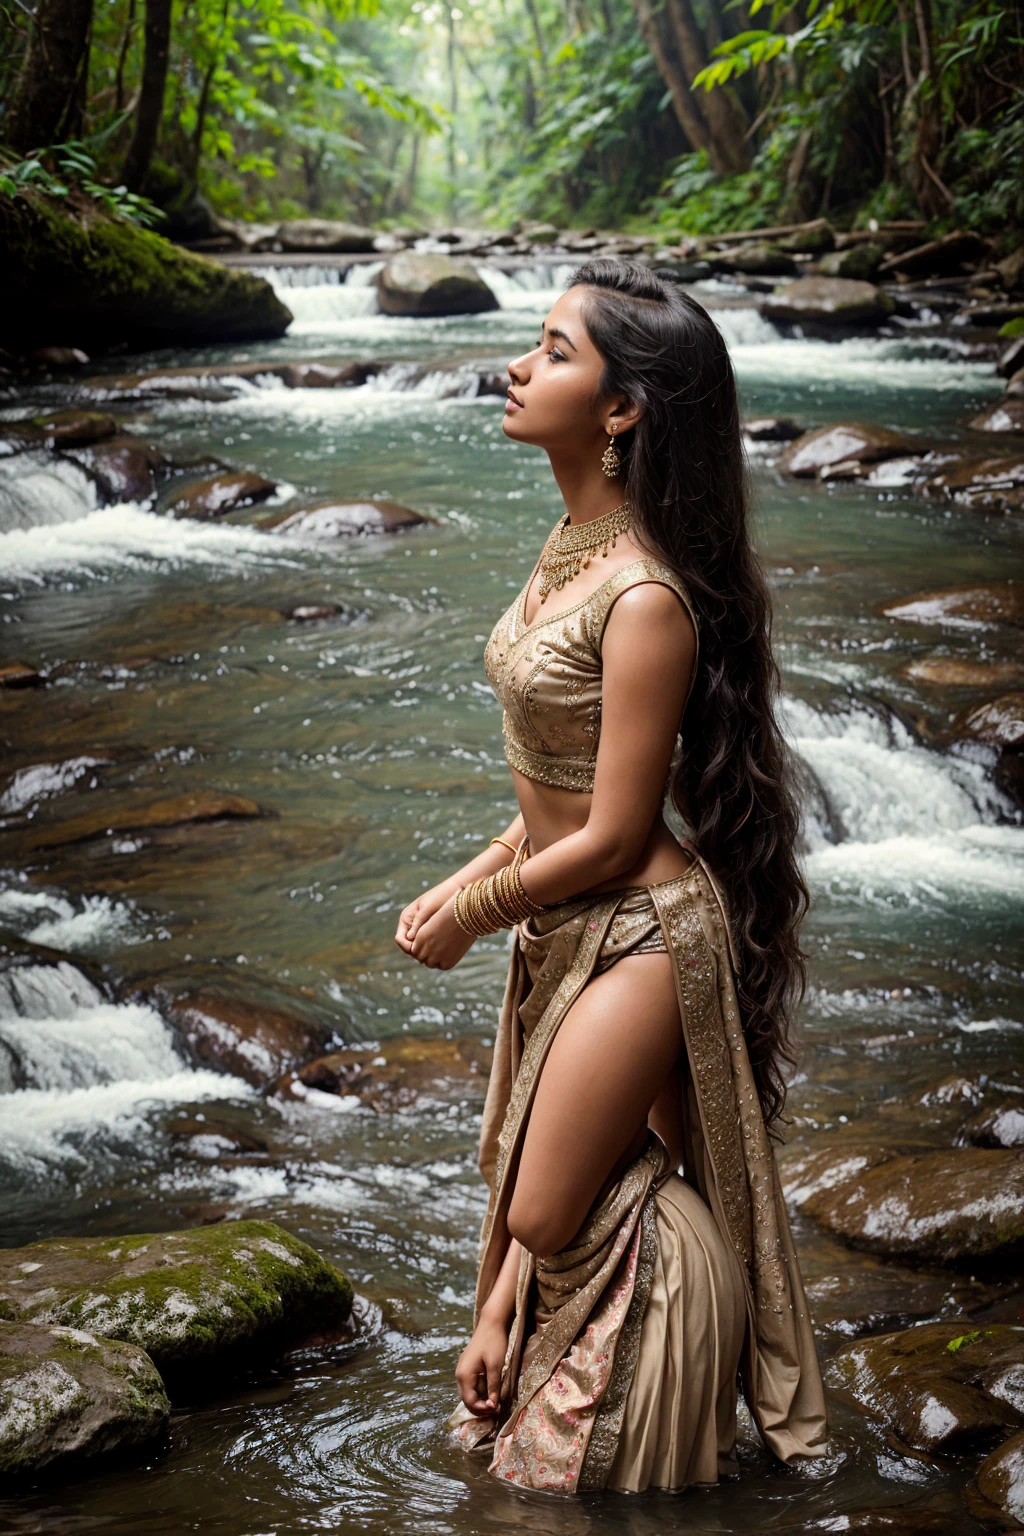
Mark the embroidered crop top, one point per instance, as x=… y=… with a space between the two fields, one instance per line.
x=547 y=677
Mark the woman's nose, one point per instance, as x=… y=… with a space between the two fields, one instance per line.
x=518 y=369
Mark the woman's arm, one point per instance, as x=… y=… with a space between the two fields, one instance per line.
x=483 y=1357
x=648 y=653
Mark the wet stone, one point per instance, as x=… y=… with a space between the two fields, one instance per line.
x=200 y=806
x=121 y=468
x=855 y=444
x=1000 y=1484
x=762 y=259
x=187 y=1298
x=208 y=499
x=239 y=1036
x=418 y=283
x=1007 y=415
x=333 y=519
x=929 y=1383
x=980 y=605
x=998 y=1125
x=829 y=301
x=936 y=1206
x=398 y=1075
x=67 y=1397
x=18 y=674
x=957 y=672
x=772 y=429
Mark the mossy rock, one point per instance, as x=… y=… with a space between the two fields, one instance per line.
x=66 y=1396
x=80 y=277
x=187 y=1298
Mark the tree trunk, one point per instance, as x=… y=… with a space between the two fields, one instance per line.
x=50 y=79
x=670 y=68
x=728 y=149
x=156 y=51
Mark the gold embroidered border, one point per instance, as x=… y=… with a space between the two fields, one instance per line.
x=604 y=1437
x=708 y=1052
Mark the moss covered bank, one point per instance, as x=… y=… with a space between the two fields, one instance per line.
x=75 y=276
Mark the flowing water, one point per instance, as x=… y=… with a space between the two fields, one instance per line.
x=373 y=742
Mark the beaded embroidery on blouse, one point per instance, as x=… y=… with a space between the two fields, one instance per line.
x=547 y=677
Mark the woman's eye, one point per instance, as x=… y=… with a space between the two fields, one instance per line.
x=556 y=356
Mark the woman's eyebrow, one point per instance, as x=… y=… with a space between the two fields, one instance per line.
x=553 y=331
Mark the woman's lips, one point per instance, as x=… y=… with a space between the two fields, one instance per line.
x=511 y=403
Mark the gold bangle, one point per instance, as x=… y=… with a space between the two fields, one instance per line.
x=503 y=843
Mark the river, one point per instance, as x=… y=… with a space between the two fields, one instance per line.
x=374 y=739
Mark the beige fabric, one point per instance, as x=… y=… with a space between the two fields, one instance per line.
x=679 y=1425
x=730 y=1163
x=547 y=677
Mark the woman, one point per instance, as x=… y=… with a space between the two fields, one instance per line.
x=636 y=1253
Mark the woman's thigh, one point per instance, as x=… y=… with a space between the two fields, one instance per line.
x=607 y=1064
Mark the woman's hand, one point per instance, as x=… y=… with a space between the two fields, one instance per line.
x=439 y=942
x=478 y=1372
x=412 y=917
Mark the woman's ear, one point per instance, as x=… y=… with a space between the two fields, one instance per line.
x=620 y=418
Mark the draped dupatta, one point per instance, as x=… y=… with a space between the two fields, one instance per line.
x=569 y=1386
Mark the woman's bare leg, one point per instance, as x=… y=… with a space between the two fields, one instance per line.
x=606 y=1067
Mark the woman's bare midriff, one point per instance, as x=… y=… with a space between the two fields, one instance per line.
x=549 y=814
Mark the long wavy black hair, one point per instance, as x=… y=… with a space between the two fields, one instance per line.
x=686 y=479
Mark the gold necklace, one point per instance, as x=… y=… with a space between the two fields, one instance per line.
x=570 y=547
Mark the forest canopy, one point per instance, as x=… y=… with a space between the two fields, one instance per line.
x=671 y=115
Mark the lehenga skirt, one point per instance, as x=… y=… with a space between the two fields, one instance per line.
x=623 y=1355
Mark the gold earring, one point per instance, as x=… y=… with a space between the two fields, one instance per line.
x=611 y=459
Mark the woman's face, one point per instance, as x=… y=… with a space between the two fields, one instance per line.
x=552 y=399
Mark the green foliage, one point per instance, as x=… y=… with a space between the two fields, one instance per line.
x=694 y=201
x=75 y=168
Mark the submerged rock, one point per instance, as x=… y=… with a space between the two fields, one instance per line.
x=207 y=499
x=67 y=1396
x=935 y=1206
x=999 y=723
x=981 y=605
x=930 y=1384
x=422 y=283
x=1006 y=415
x=957 y=672
x=18 y=674
x=198 y=806
x=85 y=278
x=59 y=429
x=999 y=1125
x=247 y=1039
x=184 y=1297
x=332 y=519
x=122 y=468
x=1000 y=1484
x=828 y=301
x=324 y=235
x=825 y=449
x=397 y=1075
x=772 y=429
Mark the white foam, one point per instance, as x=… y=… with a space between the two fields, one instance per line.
x=125 y=537
x=42 y=780
x=319 y=296
x=38 y=491
x=899 y=818
x=47 y=918
x=77 y=1067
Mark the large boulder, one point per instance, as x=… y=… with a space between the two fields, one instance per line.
x=984 y=485
x=334 y=519
x=979 y=606
x=828 y=301
x=860 y=261
x=937 y=1207
x=67 y=1396
x=823 y=450
x=324 y=235
x=942 y=1387
x=423 y=283
x=80 y=277
x=186 y=1298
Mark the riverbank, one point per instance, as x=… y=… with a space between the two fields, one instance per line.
x=240 y=751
